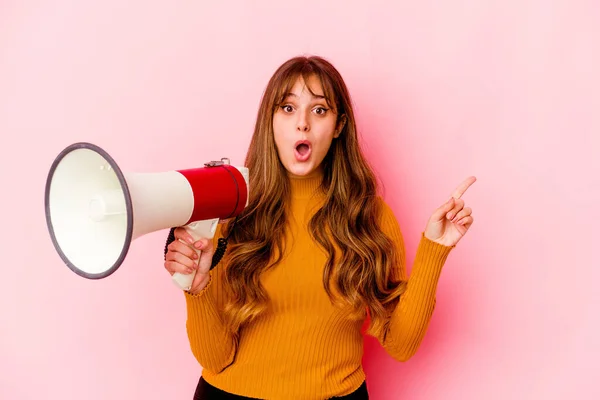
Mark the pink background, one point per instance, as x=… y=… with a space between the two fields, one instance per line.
x=505 y=90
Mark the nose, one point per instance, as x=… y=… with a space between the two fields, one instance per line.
x=302 y=124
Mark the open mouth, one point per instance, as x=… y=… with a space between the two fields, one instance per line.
x=302 y=150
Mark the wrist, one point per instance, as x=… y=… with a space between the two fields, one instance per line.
x=201 y=286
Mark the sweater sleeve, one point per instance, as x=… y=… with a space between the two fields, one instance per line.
x=211 y=344
x=410 y=319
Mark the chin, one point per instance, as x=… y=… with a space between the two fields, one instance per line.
x=300 y=169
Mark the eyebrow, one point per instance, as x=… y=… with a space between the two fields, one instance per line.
x=314 y=96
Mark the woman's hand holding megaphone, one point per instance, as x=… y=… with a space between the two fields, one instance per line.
x=186 y=256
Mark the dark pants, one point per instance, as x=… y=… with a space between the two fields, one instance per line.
x=205 y=391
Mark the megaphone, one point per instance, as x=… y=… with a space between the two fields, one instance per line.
x=94 y=210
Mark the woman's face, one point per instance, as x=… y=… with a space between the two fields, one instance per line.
x=304 y=128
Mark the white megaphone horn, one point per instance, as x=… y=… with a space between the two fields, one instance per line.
x=94 y=210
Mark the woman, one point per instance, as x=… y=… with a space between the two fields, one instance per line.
x=316 y=253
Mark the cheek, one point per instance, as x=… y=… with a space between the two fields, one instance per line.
x=324 y=146
x=279 y=137
x=283 y=129
x=326 y=135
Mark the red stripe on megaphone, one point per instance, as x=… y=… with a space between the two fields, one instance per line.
x=219 y=192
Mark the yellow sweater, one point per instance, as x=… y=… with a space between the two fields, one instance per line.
x=304 y=347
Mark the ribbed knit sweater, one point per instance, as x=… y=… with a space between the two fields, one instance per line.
x=303 y=346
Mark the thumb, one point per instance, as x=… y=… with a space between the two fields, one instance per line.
x=206 y=254
x=440 y=213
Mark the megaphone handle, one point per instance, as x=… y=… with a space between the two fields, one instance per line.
x=198 y=230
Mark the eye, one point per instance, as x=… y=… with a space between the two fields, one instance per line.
x=321 y=110
x=287 y=108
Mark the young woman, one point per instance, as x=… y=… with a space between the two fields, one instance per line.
x=316 y=255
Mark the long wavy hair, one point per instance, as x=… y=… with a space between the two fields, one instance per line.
x=362 y=273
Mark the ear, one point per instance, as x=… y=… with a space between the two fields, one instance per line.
x=340 y=126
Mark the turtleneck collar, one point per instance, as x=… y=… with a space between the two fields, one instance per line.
x=304 y=187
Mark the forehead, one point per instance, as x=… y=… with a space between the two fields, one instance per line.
x=311 y=86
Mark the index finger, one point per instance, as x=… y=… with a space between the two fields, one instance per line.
x=462 y=188
x=181 y=233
